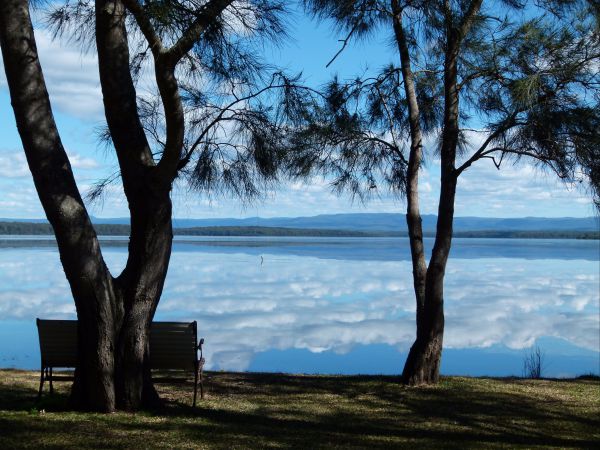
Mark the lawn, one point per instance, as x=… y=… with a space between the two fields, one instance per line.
x=249 y=410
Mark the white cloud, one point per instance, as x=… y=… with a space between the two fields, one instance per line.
x=71 y=77
x=13 y=165
x=19 y=198
x=82 y=163
x=516 y=191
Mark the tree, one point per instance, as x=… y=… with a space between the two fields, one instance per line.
x=219 y=120
x=527 y=75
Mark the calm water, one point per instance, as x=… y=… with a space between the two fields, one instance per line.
x=339 y=305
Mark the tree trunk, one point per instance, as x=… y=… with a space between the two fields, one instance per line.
x=91 y=283
x=114 y=315
x=142 y=283
x=421 y=350
x=424 y=359
x=148 y=196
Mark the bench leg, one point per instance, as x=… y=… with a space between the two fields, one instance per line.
x=51 y=387
x=195 y=385
x=41 y=384
x=201 y=385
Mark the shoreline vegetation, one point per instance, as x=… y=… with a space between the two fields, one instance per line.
x=270 y=410
x=40 y=229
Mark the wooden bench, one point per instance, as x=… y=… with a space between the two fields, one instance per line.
x=173 y=346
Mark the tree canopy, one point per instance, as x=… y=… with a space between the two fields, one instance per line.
x=528 y=85
x=223 y=127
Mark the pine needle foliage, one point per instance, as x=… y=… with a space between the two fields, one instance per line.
x=238 y=108
x=528 y=81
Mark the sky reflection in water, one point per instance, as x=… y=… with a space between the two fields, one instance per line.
x=341 y=305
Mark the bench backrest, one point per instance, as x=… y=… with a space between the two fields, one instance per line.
x=172 y=344
x=58 y=342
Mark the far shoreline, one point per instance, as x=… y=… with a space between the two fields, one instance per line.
x=120 y=230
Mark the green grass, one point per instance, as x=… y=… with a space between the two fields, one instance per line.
x=243 y=410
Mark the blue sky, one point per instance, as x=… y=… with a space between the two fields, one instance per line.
x=72 y=79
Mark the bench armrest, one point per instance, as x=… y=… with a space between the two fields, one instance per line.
x=201 y=360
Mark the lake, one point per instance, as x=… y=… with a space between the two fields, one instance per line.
x=339 y=305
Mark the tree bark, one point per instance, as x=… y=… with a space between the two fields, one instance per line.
x=424 y=359
x=114 y=315
x=148 y=196
x=413 y=215
x=93 y=289
x=147 y=184
x=142 y=283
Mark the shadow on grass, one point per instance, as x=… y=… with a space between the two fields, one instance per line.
x=439 y=416
x=19 y=390
x=263 y=410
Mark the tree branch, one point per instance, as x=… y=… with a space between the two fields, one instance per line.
x=205 y=17
x=531 y=153
x=480 y=151
x=468 y=18
x=272 y=85
x=165 y=62
x=141 y=18
x=344 y=45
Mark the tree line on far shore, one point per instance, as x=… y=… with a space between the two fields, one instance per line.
x=41 y=229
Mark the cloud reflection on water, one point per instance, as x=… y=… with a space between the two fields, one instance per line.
x=296 y=302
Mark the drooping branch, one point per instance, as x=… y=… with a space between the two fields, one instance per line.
x=119 y=94
x=204 y=18
x=165 y=63
x=219 y=117
x=530 y=153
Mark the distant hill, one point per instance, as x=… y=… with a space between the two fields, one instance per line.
x=397 y=222
x=44 y=229
x=104 y=229
x=378 y=222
